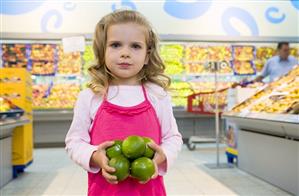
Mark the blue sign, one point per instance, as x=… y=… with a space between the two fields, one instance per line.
x=273 y=19
x=13 y=7
x=186 y=10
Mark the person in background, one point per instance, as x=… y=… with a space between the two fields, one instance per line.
x=127 y=96
x=278 y=65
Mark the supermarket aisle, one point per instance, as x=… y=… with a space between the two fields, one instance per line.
x=52 y=173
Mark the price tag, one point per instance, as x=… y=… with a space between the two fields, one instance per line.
x=73 y=44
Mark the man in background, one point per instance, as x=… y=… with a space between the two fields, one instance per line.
x=278 y=65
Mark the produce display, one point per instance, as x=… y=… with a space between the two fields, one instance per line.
x=184 y=62
x=69 y=63
x=243 y=67
x=172 y=52
x=53 y=96
x=42 y=52
x=263 y=53
x=294 y=52
x=259 y=65
x=14 y=52
x=243 y=53
x=172 y=55
x=205 y=87
x=43 y=59
x=8 y=109
x=47 y=60
x=131 y=157
x=5 y=105
x=174 y=67
x=195 y=68
x=281 y=96
x=179 y=92
x=195 y=53
x=88 y=58
x=14 y=55
x=43 y=68
x=219 y=53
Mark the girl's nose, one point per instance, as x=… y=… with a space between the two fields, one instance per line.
x=125 y=53
x=125 y=56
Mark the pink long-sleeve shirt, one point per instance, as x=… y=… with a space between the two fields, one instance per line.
x=77 y=139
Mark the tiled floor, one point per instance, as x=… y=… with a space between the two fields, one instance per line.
x=52 y=173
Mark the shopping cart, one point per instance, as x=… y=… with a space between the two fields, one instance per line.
x=205 y=103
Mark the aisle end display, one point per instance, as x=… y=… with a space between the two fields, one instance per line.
x=16 y=86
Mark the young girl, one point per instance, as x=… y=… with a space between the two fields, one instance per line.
x=127 y=96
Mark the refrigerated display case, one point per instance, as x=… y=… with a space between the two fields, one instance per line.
x=268 y=136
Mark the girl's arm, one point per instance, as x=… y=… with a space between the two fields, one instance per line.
x=171 y=138
x=77 y=140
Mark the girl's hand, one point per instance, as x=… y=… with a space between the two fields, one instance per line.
x=99 y=159
x=158 y=159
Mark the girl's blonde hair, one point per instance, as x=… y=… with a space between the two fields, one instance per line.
x=152 y=72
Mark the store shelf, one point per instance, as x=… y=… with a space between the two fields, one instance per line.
x=52 y=115
x=7 y=125
x=281 y=125
x=182 y=113
x=6 y=156
x=281 y=118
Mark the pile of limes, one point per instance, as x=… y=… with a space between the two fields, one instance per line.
x=131 y=156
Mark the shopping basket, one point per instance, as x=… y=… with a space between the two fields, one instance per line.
x=204 y=102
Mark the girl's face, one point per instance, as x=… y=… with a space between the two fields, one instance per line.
x=126 y=52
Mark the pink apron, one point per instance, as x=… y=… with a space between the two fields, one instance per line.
x=113 y=122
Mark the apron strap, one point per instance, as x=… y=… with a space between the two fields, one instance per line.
x=106 y=94
x=144 y=92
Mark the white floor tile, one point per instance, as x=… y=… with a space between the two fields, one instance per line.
x=53 y=173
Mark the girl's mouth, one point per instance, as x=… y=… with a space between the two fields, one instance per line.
x=124 y=65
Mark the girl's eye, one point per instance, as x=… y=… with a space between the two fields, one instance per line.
x=115 y=45
x=136 y=46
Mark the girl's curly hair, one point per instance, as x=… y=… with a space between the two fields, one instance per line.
x=151 y=72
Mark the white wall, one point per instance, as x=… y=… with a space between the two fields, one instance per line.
x=219 y=18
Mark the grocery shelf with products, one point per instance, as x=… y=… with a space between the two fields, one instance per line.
x=187 y=63
x=53 y=72
x=56 y=80
x=268 y=124
x=58 y=77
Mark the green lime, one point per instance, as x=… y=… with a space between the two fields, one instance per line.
x=122 y=167
x=149 y=153
x=142 y=168
x=133 y=147
x=114 y=150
